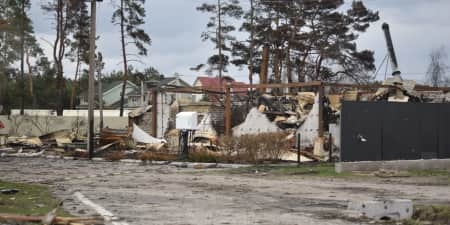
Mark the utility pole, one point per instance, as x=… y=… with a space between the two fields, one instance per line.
x=92 y=69
x=100 y=91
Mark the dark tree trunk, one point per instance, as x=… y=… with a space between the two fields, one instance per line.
x=318 y=68
x=124 y=57
x=219 y=39
x=252 y=43
x=30 y=80
x=22 y=59
x=74 y=84
x=58 y=54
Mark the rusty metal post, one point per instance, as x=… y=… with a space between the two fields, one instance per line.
x=264 y=68
x=227 y=110
x=155 y=113
x=321 y=122
x=299 y=144
x=330 y=148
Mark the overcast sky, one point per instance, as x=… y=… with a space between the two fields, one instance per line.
x=417 y=26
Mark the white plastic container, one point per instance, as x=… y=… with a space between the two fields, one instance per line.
x=187 y=121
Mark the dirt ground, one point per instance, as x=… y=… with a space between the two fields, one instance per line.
x=164 y=194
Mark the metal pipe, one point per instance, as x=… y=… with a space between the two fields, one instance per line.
x=227 y=110
x=299 y=143
x=154 y=113
x=390 y=47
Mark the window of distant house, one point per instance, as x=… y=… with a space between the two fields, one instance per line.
x=133 y=99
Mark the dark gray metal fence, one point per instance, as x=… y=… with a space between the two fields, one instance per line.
x=373 y=131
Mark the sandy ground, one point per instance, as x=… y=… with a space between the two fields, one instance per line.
x=150 y=194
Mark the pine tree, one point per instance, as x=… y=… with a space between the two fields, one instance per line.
x=79 y=46
x=63 y=12
x=18 y=44
x=219 y=31
x=130 y=16
x=9 y=46
x=317 y=39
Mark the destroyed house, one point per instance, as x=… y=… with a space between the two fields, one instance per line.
x=111 y=92
x=164 y=99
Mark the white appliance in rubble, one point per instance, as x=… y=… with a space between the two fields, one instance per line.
x=186 y=121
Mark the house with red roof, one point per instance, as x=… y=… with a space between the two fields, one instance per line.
x=214 y=84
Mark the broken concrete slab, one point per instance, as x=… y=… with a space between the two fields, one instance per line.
x=396 y=209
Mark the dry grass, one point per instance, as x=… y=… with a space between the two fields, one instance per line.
x=430 y=214
x=156 y=156
x=255 y=148
x=115 y=156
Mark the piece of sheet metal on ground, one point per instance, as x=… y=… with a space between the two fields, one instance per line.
x=393 y=131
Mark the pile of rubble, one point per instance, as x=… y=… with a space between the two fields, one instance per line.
x=68 y=143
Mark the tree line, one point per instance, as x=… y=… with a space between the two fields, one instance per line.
x=275 y=40
x=296 y=40
x=46 y=84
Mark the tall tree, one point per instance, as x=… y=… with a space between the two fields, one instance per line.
x=437 y=73
x=63 y=12
x=219 y=31
x=79 y=46
x=9 y=46
x=18 y=43
x=130 y=16
x=315 y=38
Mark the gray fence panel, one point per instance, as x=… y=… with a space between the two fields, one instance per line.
x=444 y=132
x=362 y=139
x=394 y=131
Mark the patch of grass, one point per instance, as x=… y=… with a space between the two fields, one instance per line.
x=320 y=169
x=32 y=199
x=203 y=156
x=430 y=214
x=429 y=173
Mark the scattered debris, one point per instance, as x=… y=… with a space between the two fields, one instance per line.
x=102 y=148
x=140 y=136
x=9 y=191
x=109 y=135
x=56 y=220
x=61 y=134
x=24 y=141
